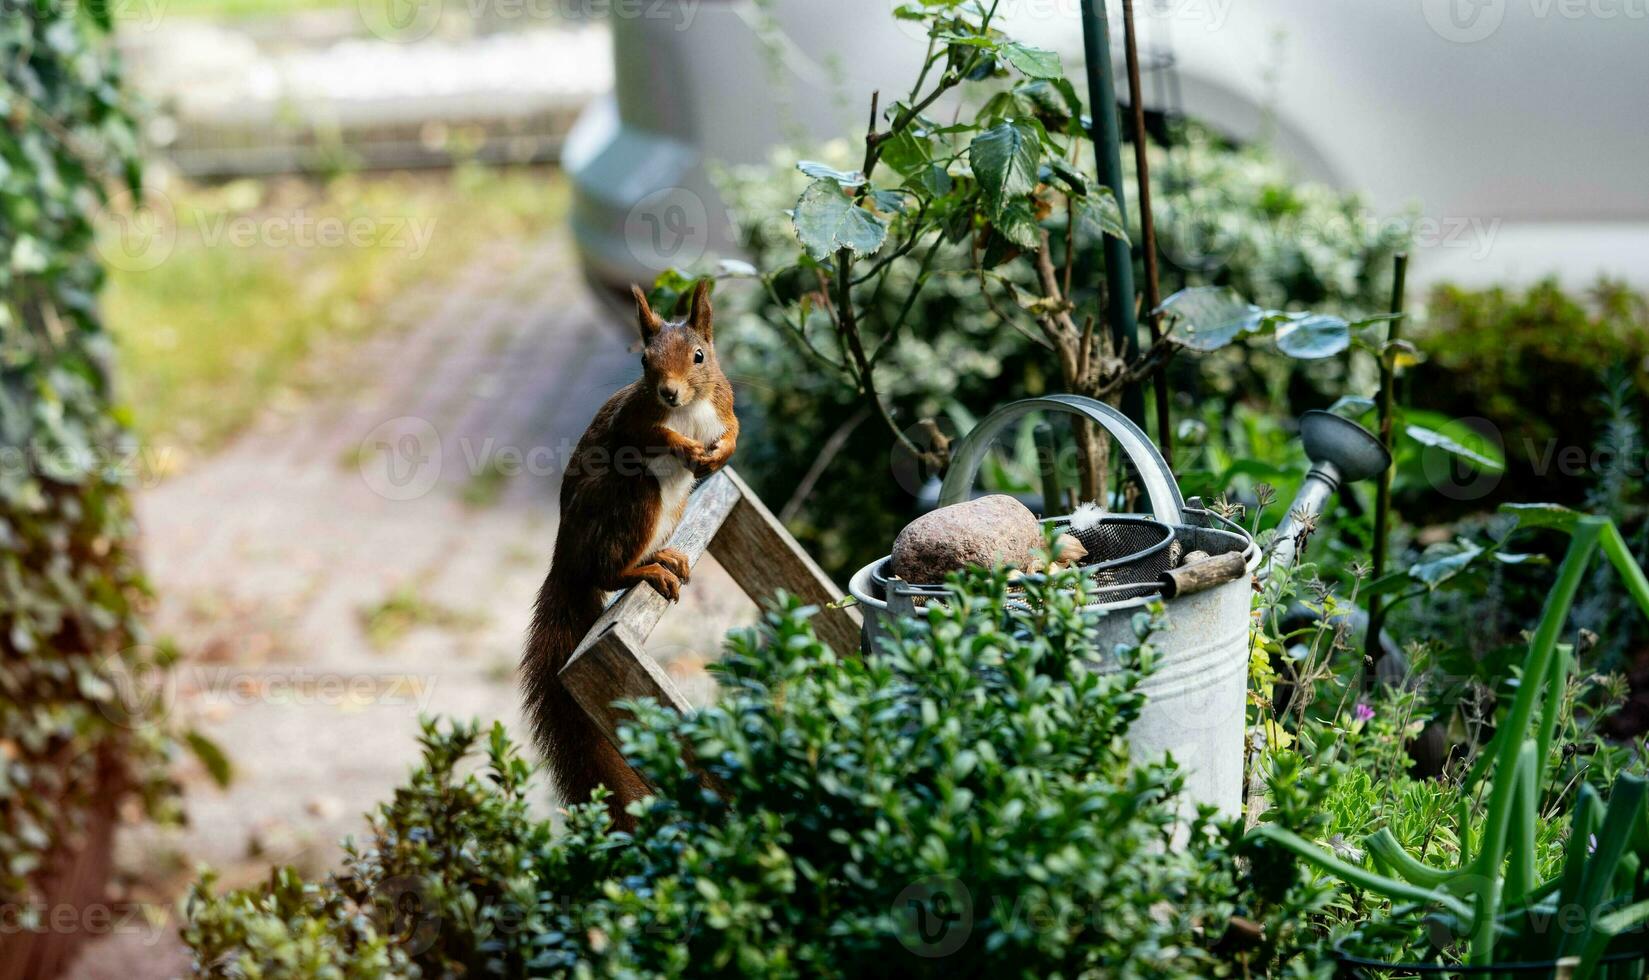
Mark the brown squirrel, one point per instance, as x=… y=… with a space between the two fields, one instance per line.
x=622 y=495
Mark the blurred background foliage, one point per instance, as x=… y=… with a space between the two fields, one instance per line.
x=71 y=590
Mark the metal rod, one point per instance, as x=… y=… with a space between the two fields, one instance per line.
x=1147 y=229
x=1372 y=650
x=1107 y=140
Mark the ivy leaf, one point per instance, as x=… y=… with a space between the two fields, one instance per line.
x=906 y=153
x=736 y=269
x=888 y=200
x=1211 y=316
x=827 y=220
x=1070 y=178
x=1004 y=160
x=1554 y=516
x=935 y=180
x=1097 y=214
x=1352 y=407
x=821 y=171
x=1053 y=96
x=1017 y=224
x=1433 y=439
x=211 y=756
x=1313 y=336
x=1441 y=562
x=1031 y=61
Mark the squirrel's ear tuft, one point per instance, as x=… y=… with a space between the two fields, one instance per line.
x=650 y=324
x=699 y=314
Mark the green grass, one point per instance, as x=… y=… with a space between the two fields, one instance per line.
x=226 y=326
x=385 y=622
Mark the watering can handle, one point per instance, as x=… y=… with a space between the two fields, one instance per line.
x=1166 y=502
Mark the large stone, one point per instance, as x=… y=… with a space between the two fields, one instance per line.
x=990 y=530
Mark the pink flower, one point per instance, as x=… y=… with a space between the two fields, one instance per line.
x=1362 y=712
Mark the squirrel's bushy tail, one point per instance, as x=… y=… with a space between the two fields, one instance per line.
x=579 y=756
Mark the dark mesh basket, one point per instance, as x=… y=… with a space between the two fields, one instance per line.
x=1127 y=553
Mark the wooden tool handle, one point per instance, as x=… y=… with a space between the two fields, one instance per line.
x=1196 y=576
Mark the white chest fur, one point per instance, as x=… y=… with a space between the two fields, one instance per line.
x=697 y=420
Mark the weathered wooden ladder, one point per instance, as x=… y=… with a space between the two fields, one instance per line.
x=727 y=519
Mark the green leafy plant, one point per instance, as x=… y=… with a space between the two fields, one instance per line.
x=960 y=802
x=1492 y=896
x=1533 y=362
x=950 y=261
x=72 y=590
x=988 y=186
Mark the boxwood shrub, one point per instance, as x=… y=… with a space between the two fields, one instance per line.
x=962 y=803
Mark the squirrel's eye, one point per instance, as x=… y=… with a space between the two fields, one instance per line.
x=698 y=356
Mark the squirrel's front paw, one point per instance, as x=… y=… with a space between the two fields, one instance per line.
x=675 y=562
x=665 y=581
x=707 y=462
x=688 y=451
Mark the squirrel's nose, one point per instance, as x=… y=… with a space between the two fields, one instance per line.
x=670 y=393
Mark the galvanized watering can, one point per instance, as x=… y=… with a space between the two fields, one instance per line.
x=1196 y=697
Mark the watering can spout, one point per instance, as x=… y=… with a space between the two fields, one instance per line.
x=1341 y=452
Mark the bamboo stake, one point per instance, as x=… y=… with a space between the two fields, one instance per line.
x=1147 y=231
x=1382 y=495
x=1107 y=140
